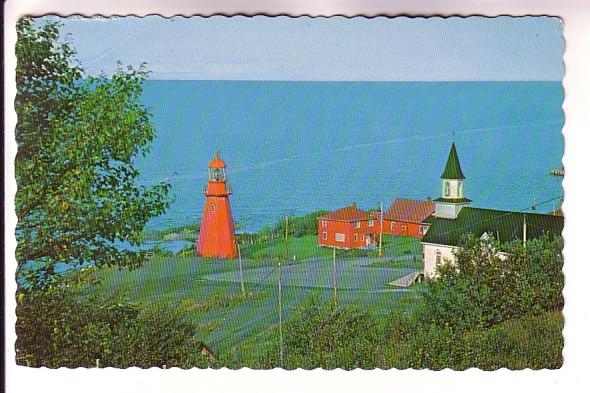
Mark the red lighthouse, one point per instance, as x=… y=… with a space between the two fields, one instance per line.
x=216 y=235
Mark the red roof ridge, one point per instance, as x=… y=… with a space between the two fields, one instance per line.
x=348 y=214
x=409 y=210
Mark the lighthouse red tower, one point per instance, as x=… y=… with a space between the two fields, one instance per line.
x=216 y=235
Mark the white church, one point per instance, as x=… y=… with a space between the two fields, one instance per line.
x=454 y=217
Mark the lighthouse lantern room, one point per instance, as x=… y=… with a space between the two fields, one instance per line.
x=216 y=234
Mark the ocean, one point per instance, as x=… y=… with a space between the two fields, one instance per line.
x=297 y=147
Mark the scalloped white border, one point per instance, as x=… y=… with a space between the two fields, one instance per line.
x=572 y=376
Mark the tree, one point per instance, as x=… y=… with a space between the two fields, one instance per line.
x=487 y=309
x=483 y=288
x=320 y=335
x=68 y=325
x=77 y=199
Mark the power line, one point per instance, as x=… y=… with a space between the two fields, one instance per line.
x=507 y=213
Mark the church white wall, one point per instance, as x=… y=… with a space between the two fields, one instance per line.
x=455 y=188
x=448 y=210
x=430 y=250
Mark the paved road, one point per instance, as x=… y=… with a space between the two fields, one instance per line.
x=352 y=274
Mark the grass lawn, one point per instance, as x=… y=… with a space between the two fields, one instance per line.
x=401 y=245
x=301 y=248
x=306 y=247
x=210 y=293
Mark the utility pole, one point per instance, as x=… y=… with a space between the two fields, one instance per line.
x=241 y=271
x=381 y=230
x=334 y=277
x=287 y=237
x=280 y=318
x=524 y=231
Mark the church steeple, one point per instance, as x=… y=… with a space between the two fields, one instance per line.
x=453 y=168
x=453 y=199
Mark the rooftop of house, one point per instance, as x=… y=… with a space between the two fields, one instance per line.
x=409 y=210
x=502 y=225
x=347 y=214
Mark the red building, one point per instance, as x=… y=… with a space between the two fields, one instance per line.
x=216 y=235
x=405 y=217
x=348 y=228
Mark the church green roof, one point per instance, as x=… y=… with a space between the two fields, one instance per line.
x=502 y=225
x=453 y=168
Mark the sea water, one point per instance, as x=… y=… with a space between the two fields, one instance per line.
x=297 y=147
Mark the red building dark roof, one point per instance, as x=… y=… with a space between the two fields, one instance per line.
x=348 y=214
x=408 y=210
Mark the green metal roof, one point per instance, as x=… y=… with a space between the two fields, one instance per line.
x=453 y=168
x=502 y=225
x=453 y=200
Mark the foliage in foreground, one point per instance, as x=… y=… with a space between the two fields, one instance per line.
x=321 y=336
x=482 y=288
x=461 y=325
x=316 y=335
x=63 y=327
x=77 y=137
x=483 y=311
x=531 y=341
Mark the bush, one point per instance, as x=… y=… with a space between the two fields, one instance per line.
x=320 y=336
x=533 y=341
x=482 y=288
x=63 y=327
x=486 y=310
x=298 y=226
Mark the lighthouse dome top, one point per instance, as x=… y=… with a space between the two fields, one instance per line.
x=217 y=162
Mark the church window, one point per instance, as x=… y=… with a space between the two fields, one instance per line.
x=356 y=237
x=392 y=225
x=213 y=208
x=371 y=223
x=324 y=223
x=438 y=257
x=447 y=189
x=357 y=224
x=324 y=235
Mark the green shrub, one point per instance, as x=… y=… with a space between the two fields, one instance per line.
x=63 y=327
x=482 y=289
x=298 y=226
x=320 y=335
x=533 y=341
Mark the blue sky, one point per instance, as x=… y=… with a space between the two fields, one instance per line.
x=337 y=48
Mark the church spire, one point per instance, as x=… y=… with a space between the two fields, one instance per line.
x=453 y=198
x=453 y=168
